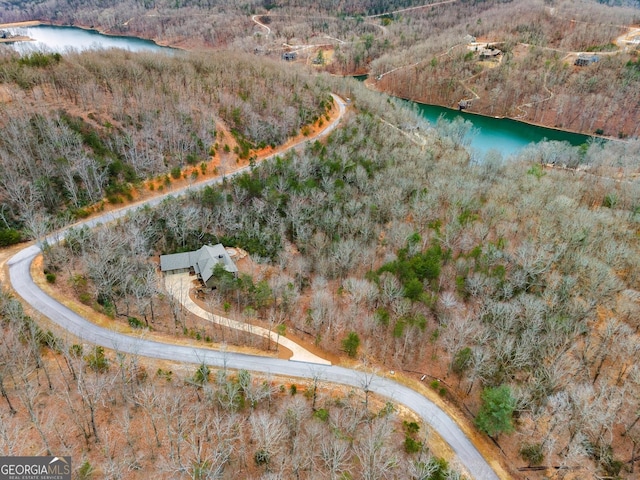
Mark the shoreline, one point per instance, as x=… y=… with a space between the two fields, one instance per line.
x=18 y=38
x=493 y=117
x=108 y=34
x=27 y=23
x=99 y=30
x=366 y=82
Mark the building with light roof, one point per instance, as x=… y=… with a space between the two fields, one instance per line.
x=201 y=262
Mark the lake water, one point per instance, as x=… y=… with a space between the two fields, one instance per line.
x=62 y=39
x=502 y=134
x=505 y=135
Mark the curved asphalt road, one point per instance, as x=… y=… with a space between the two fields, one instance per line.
x=20 y=277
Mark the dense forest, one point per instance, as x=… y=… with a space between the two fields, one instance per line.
x=83 y=127
x=493 y=277
x=120 y=416
x=514 y=283
x=417 y=53
x=534 y=76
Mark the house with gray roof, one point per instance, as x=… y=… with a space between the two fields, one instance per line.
x=201 y=262
x=584 y=60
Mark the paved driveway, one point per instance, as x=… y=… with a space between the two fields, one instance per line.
x=178 y=286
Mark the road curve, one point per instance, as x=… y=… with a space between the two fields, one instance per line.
x=255 y=19
x=23 y=284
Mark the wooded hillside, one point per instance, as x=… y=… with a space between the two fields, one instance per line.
x=534 y=78
x=81 y=127
x=512 y=288
x=498 y=279
x=418 y=53
x=120 y=416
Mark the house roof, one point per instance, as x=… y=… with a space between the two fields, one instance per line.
x=490 y=52
x=208 y=257
x=175 y=261
x=203 y=261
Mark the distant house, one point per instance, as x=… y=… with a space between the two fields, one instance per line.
x=201 y=262
x=462 y=104
x=584 y=60
x=489 y=53
x=289 y=56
